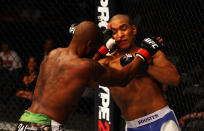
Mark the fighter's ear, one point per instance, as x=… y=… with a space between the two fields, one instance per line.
x=134 y=29
x=109 y=26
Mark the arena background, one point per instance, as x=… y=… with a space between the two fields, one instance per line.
x=26 y=24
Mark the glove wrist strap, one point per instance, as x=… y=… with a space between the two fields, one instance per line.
x=144 y=54
x=103 y=50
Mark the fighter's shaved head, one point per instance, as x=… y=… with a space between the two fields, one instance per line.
x=121 y=16
x=87 y=31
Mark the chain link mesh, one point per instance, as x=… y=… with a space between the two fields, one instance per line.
x=26 y=24
x=179 y=23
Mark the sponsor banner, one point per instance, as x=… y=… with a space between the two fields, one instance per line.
x=104 y=111
x=105 y=9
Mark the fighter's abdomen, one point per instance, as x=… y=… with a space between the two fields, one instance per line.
x=139 y=98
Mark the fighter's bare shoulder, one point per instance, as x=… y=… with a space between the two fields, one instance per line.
x=55 y=51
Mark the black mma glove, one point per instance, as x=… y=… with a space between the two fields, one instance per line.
x=109 y=42
x=127 y=58
x=149 y=47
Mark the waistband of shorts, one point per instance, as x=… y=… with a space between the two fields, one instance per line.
x=35 y=118
x=149 y=118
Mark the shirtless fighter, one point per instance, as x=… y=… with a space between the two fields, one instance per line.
x=63 y=76
x=141 y=102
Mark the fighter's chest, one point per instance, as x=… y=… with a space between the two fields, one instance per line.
x=115 y=63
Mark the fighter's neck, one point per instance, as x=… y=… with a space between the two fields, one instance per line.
x=129 y=50
x=75 y=50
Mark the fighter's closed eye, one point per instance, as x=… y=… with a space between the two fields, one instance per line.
x=123 y=27
x=114 y=30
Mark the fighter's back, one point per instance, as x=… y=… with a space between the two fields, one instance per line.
x=61 y=81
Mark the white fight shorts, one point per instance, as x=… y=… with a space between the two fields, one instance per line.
x=161 y=120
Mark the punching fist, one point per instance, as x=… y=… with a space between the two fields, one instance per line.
x=126 y=59
x=149 y=47
x=109 y=42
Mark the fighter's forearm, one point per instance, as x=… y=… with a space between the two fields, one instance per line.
x=165 y=75
x=128 y=72
x=122 y=77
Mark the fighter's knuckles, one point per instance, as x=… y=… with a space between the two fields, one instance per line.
x=159 y=40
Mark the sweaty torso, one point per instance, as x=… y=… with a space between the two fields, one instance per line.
x=59 y=86
x=140 y=97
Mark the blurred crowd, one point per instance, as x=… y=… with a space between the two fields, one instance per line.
x=18 y=77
